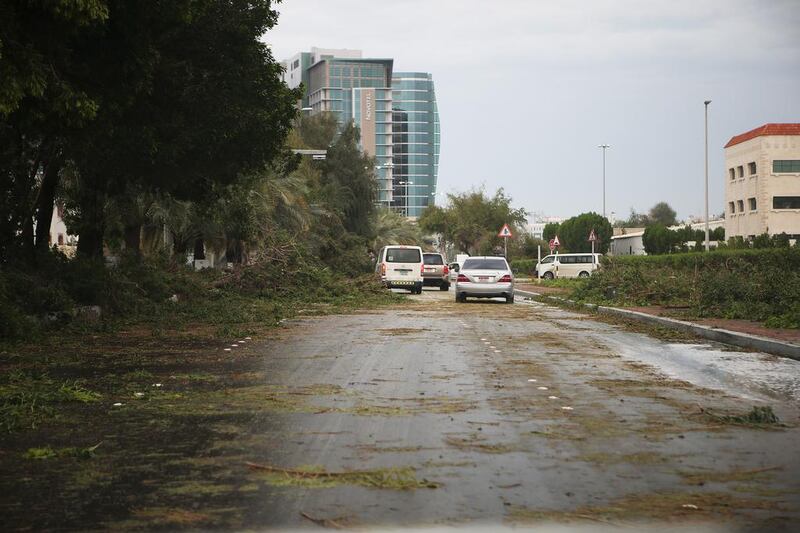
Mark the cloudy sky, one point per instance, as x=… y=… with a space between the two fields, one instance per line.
x=527 y=89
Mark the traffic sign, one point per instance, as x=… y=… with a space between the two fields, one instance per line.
x=592 y=236
x=505 y=231
x=556 y=242
x=552 y=245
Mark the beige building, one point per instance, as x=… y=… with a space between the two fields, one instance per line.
x=762 y=182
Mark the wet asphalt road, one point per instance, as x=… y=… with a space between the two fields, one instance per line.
x=523 y=413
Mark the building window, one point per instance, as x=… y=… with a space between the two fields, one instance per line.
x=786 y=165
x=732 y=173
x=740 y=205
x=732 y=207
x=786 y=202
x=740 y=171
x=752 y=203
x=751 y=168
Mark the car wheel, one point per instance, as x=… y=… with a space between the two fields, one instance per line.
x=444 y=287
x=548 y=275
x=583 y=274
x=510 y=299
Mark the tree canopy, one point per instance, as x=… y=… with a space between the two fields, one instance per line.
x=473 y=219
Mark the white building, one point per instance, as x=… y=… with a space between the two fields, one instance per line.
x=762 y=182
x=627 y=242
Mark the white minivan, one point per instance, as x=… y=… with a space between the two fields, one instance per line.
x=568 y=265
x=400 y=267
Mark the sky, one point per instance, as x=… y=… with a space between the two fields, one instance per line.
x=528 y=89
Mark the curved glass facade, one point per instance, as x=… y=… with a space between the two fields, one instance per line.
x=415 y=136
x=395 y=112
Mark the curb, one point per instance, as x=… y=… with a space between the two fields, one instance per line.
x=744 y=340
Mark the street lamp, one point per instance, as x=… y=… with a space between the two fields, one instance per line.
x=604 y=147
x=706 y=108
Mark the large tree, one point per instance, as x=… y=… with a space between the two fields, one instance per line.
x=662 y=213
x=574 y=232
x=473 y=219
x=161 y=97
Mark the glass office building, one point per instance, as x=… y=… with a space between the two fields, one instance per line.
x=415 y=127
x=395 y=113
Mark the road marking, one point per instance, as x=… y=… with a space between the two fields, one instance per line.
x=531 y=380
x=552 y=397
x=497 y=351
x=566 y=408
x=491 y=347
x=227 y=349
x=483 y=339
x=234 y=345
x=542 y=388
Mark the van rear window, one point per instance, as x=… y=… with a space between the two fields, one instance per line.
x=402 y=255
x=432 y=259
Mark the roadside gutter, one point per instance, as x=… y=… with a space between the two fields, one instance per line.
x=735 y=338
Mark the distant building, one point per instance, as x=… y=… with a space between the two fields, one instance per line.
x=536 y=229
x=627 y=241
x=415 y=144
x=762 y=182
x=396 y=114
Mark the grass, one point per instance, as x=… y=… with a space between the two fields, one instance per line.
x=758 y=417
x=28 y=399
x=394 y=478
x=49 y=453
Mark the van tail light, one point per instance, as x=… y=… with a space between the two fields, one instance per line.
x=383 y=269
x=446 y=270
x=463 y=278
x=505 y=279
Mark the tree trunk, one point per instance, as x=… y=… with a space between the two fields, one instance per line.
x=199 y=249
x=45 y=203
x=90 y=241
x=133 y=238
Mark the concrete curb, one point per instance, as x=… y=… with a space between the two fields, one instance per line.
x=744 y=340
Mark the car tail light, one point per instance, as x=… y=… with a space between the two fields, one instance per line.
x=446 y=270
x=383 y=269
x=463 y=278
x=505 y=279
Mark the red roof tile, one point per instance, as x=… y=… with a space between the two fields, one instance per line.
x=766 y=129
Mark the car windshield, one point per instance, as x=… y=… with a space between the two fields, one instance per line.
x=402 y=255
x=485 y=264
x=432 y=259
x=548 y=259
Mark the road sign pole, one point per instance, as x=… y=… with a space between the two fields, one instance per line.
x=505 y=247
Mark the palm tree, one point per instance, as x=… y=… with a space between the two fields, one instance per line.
x=393 y=228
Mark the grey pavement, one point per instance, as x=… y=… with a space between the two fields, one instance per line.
x=522 y=414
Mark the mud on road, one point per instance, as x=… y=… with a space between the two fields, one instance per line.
x=425 y=413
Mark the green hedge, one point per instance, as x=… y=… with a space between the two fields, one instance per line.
x=761 y=285
x=523 y=266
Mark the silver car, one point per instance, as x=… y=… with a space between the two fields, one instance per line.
x=485 y=277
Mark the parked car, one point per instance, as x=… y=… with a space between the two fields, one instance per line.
x=485 y=277
x=400 y=267
x=435 y=271
x=568 y=266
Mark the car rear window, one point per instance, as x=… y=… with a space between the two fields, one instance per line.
x=402 y=255
x=485 y=264
x=432 y=259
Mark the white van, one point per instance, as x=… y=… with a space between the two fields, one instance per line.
x=400 y=267
x=568 y=266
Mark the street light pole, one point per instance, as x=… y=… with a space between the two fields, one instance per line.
x=604 y=147
x=706 y=108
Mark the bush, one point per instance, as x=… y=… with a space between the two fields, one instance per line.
x=523 y=266
x=758 y=284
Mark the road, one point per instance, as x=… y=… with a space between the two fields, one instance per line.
x=513 y=414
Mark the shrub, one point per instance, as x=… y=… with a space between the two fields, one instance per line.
x=758 y=284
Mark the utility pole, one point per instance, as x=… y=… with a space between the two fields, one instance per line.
x=706 y=107
x=604 y=147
